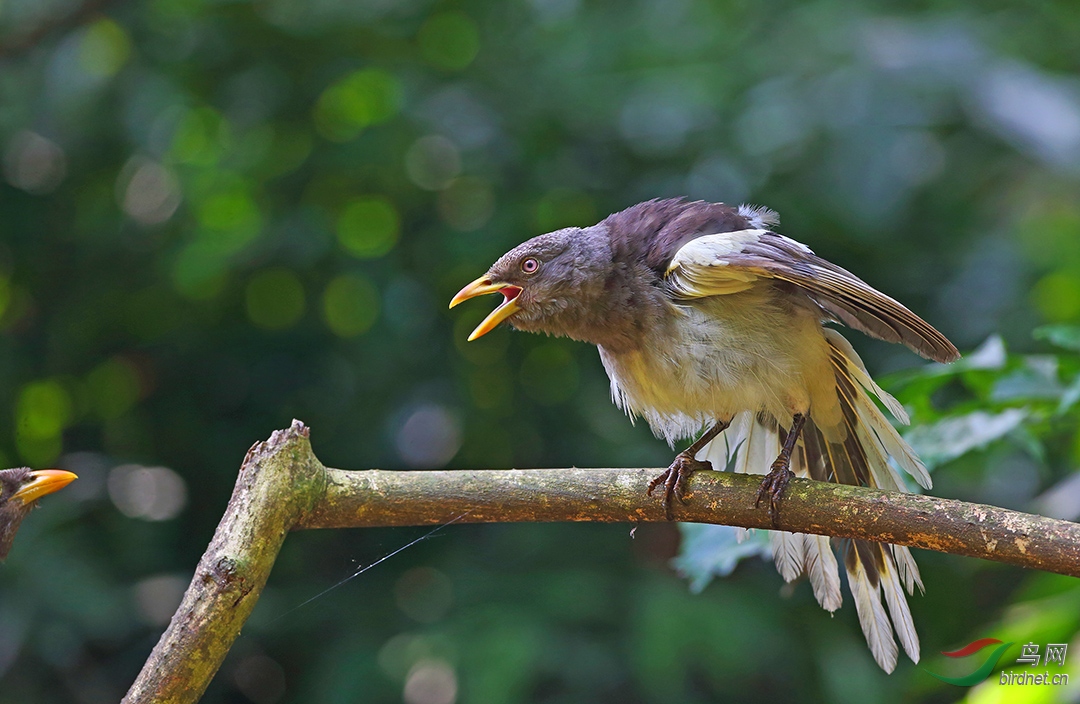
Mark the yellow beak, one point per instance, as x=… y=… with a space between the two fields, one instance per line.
x=45 y=481
x=507 y=308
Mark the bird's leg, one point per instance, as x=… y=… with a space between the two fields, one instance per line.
x=685 y=464
x=777 y=479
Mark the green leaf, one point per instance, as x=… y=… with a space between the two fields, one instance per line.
x=1025 y=438
x=1066 y=336
x=1070 y=396
x=709 y=551
x=990 y=355
x=1036 y=378
x=953 y=437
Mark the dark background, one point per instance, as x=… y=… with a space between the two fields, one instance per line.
x=218 y=216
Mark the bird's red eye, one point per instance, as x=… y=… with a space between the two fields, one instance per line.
x=530 y=265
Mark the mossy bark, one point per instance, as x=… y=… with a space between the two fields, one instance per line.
x=283 y=487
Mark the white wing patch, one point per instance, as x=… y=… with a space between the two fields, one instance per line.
x=697 y=269
x=711 y=250
x=702 y=266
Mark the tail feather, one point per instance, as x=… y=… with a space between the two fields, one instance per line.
x=743 y=425
x=729 y=450
x=823 y=571
x=863 y=579
x=857 y=370
x=762 y=444
x=898 y=606
x=909 y=571
x=789 y=549
x=789 y=553
x=817 y=560
x=861 y=451
x=851 y=376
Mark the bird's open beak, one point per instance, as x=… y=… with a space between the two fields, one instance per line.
x=507 y=308
x=44 y=481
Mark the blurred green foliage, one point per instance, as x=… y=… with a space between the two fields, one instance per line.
x=217 y=216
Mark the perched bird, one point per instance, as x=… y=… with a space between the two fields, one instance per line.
x=706 y=318
x=20 y=488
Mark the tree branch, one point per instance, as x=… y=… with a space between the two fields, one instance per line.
x=282 y=486
x=375 y=497
x=279 y=481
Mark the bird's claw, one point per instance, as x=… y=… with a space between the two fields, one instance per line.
x=674 y=479
x=773 y=486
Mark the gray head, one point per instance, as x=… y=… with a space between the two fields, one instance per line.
x=20 y=488
x=553 y=283
x=602 y=284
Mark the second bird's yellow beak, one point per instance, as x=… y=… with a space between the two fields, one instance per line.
x=44 y=482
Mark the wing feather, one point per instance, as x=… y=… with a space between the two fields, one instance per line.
x=730 y=262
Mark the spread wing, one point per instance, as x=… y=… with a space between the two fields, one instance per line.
x=729 y=262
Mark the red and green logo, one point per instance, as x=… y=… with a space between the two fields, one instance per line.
x=984 y=670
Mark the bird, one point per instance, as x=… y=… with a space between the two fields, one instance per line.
x=709 y=321
x=20 y=489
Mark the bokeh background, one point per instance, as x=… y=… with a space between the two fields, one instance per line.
x=216 y=216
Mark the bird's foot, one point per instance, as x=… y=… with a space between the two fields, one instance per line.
x=674 y=479
x=773 y=486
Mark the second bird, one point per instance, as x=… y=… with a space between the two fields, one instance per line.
x=707 y=319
